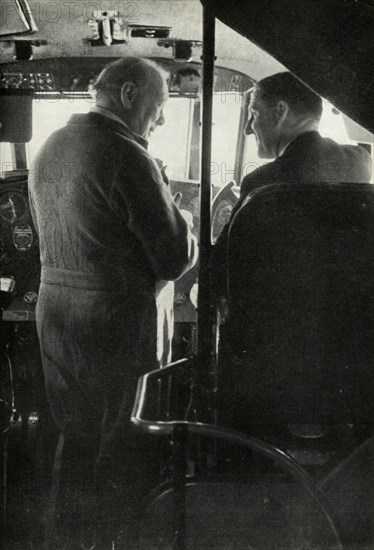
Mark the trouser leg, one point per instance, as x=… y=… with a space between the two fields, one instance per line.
x=73 y=513
x=91 y=369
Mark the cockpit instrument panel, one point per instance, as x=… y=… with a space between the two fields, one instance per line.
x=13 y=207
x=19 y=247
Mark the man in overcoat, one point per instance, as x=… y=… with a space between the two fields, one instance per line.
x=109 y=232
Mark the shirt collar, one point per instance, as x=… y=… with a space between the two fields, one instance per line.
x=297 y=139
x=108 y=114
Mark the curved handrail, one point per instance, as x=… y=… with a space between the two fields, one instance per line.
x=225 y=434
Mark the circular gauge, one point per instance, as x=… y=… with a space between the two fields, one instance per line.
x=221 y=217
x=13 y=206
x=14 y=80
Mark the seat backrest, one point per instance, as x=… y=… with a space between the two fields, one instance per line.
x=299 y=342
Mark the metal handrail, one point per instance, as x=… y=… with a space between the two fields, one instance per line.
x=218 y=432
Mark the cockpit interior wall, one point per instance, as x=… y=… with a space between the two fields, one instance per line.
x=328 y=45
x=19 y=244
x=64 y=30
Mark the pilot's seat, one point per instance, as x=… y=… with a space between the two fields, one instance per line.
x=297 y=349
x=295 y=360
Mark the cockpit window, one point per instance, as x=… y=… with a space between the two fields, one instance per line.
x=332 y=125
x=171 y=142
x=7 y=161
x=49 y=114
x=226 y=114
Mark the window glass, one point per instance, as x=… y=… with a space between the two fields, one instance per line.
x=6 y=158
x=51 y=114
x=332 y=124
x=171 y=142
x=226 y=115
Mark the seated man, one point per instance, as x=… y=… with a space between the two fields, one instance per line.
x=284 y=116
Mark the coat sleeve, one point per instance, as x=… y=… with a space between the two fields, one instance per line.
x=154 y=218
x=33 y=212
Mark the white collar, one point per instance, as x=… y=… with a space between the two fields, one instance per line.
x=108 y=114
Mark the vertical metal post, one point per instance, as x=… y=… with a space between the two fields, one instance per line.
x=204 y=329
x=180 y=433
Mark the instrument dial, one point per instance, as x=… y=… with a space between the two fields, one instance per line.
x=221 y=217
x=13 y=207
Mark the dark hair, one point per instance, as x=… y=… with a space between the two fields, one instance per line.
x=284 y=86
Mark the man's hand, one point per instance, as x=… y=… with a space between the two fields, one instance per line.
x=177 y=199
x=188 y=218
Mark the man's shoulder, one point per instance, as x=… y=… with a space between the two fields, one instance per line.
x=348 y=150
x=100 y=145
x=100 y=127
x=106 y=137
x=344 y=162
x=266 y=174
x=312 y=158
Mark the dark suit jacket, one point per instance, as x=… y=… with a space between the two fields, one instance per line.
x=310 y=158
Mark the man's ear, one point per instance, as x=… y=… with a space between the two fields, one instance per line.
x=129 y=92
x=282 y=110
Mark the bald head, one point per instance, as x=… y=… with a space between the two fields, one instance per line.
x=134 y=89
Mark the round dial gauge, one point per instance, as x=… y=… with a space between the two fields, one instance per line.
x=221 y=217
x=13 y=207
